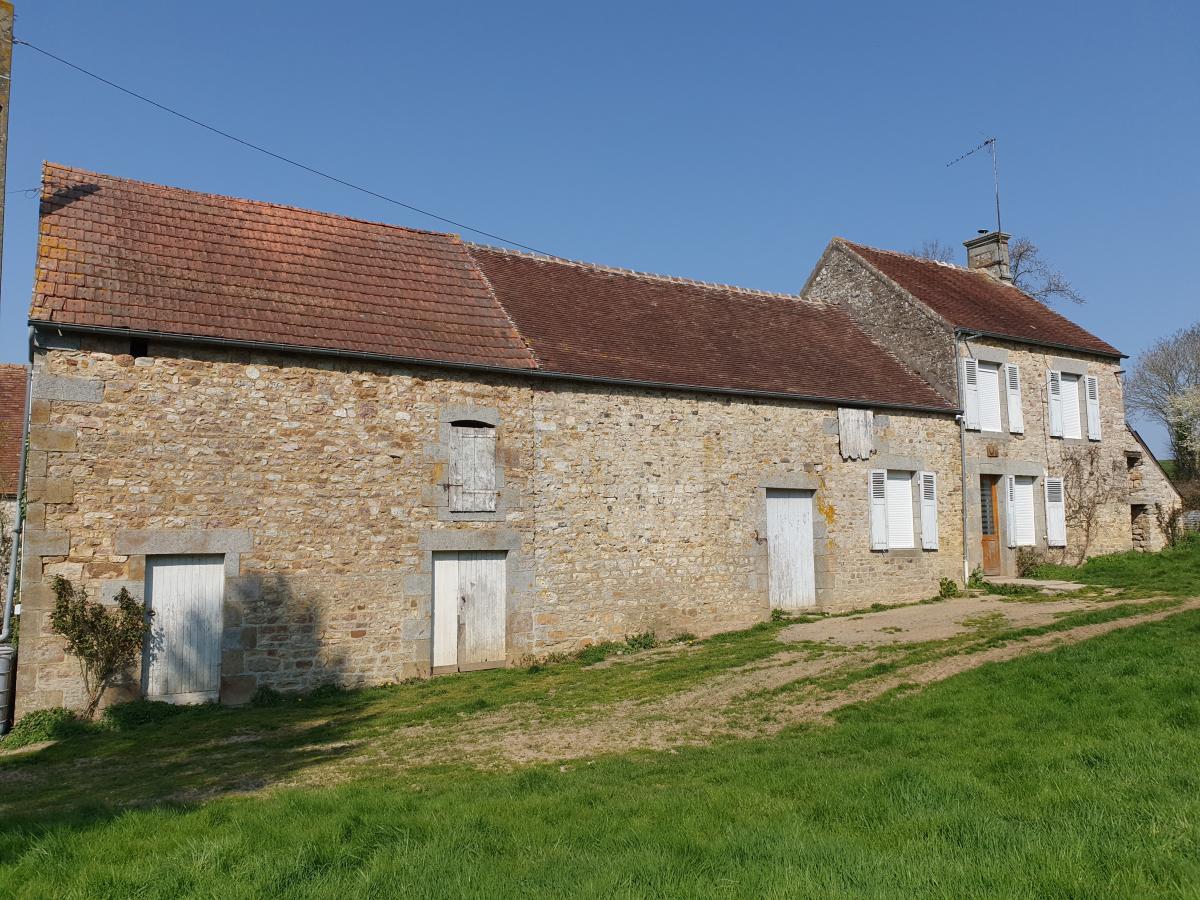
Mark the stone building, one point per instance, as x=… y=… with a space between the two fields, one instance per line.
x=13 y=383
x=1049 y=462
x=332 y=450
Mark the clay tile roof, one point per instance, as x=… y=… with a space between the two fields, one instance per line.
x=121 y=254
x=115 y=253
x=603 y=322
x=12 y=416
x=975 y=300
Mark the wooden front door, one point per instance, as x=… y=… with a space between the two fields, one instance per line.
x=182 y=654
x=989 y=523
x=469 y=610
x=790 y=549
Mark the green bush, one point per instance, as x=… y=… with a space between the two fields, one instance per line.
x=123 y=716
x=1030 y=561
x=947 y=588
x=53 y=724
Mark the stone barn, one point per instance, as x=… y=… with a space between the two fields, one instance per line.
x=329 y=450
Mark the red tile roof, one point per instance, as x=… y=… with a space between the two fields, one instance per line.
x=122 y=254
x=972 y=299
x=13 y=381
x=602 y=322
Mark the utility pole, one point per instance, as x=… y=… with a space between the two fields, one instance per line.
x=6 y=48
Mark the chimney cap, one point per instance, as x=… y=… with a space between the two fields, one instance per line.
x=987 y=237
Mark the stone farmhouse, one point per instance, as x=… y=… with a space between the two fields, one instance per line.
x=1048 y=460
x=330 y=450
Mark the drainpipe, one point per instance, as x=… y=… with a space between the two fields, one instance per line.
x=962 y=448
x=19 y=525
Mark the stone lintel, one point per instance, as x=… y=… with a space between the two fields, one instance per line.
x=67 y=388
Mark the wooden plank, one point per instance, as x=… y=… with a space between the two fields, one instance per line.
x=790 y=549
x=445 y=611
x=472 y=468
x=483 y=612
x=855 y=437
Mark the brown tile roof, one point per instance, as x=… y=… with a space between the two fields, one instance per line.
x=602 y=322
x=975 y=300
x=122 y=254
x=13 y=381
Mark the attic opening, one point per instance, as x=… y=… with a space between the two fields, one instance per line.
x=139 y=347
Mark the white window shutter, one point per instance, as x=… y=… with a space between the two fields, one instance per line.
x=1012 y=379
x=1056 y=513
x=929 y=523
x=1093 y=408
x=969 y=375
x=472 y=481
x=1010 y=509
x=1054 y=392
x=877 y=491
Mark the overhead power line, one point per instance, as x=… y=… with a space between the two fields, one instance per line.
x=277 y=156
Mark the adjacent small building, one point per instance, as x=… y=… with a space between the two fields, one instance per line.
x=14 y=381
x=1049 y=462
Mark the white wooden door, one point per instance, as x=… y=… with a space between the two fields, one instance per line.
x=469 y=610
x=182 y=654
x=790 y=548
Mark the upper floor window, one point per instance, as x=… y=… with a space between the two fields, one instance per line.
x=472 y=483
x=989 y=389
x=1073 y=400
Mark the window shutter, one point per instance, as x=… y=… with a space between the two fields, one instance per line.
x=929 y=523
x=1010 y=509
x=1093 y=408
x=1056 y=513
x=970 y=389
x=1012 y=378
x=877 y=490
x=472 y=468
x=1054 y=392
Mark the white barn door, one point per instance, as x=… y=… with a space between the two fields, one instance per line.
x=790 y=549
x=469 y=611
x=182 y=653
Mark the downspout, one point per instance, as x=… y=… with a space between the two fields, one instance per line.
x=19 y=525
x=962 y=336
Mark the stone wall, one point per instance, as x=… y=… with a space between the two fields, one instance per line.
x=322 y=483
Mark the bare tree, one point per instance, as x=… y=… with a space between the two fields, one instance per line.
x=934 y=250
x=1159 y=383
x=1032 y=274
x=1088 y=484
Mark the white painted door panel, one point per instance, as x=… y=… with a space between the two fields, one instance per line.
x=182 y=655
x=1070 y=406
x=790 y=549
x=1023 y=523
x=469 y=611
x=989 y=397
x=900 y=510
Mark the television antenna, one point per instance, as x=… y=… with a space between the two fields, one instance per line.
x=990 y=143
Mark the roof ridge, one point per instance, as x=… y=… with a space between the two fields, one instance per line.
x=47 y=164
x=915 y=258
x=635 y=273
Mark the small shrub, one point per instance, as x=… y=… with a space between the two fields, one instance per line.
x=947 y=588
x=1030 y=561
x=267 y=697
x=685 y=637
x=977 y=581
x=597 y=652
x=778 y=615
x=105 y=643
x=135 y=714
x=53 y=724
x=643 y=641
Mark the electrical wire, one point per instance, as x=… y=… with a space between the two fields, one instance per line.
x=278 y=156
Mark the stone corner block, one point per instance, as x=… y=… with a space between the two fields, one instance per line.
x=50 y=437
x=46 y=543
x=67 y=388
x=237 y=690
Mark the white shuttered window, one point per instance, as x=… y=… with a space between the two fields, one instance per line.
x=472 y=481
x=989 y=397
x=929 y=523
x=1020 y=511
x=969 y=376
x=900 y=510
x=1092 y=389
x=1070 y=406
x=1012 y=381
x=1056 y=513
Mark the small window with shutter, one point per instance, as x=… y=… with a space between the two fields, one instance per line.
x=472 y=475
x=1056 y=513
x=1092 y=388
x=892 y=509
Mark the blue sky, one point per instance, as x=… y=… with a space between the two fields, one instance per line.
x=726 y=142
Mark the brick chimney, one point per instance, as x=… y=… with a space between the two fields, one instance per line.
x=990 y=253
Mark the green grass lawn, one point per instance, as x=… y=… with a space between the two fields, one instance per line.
x=1068 y=774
